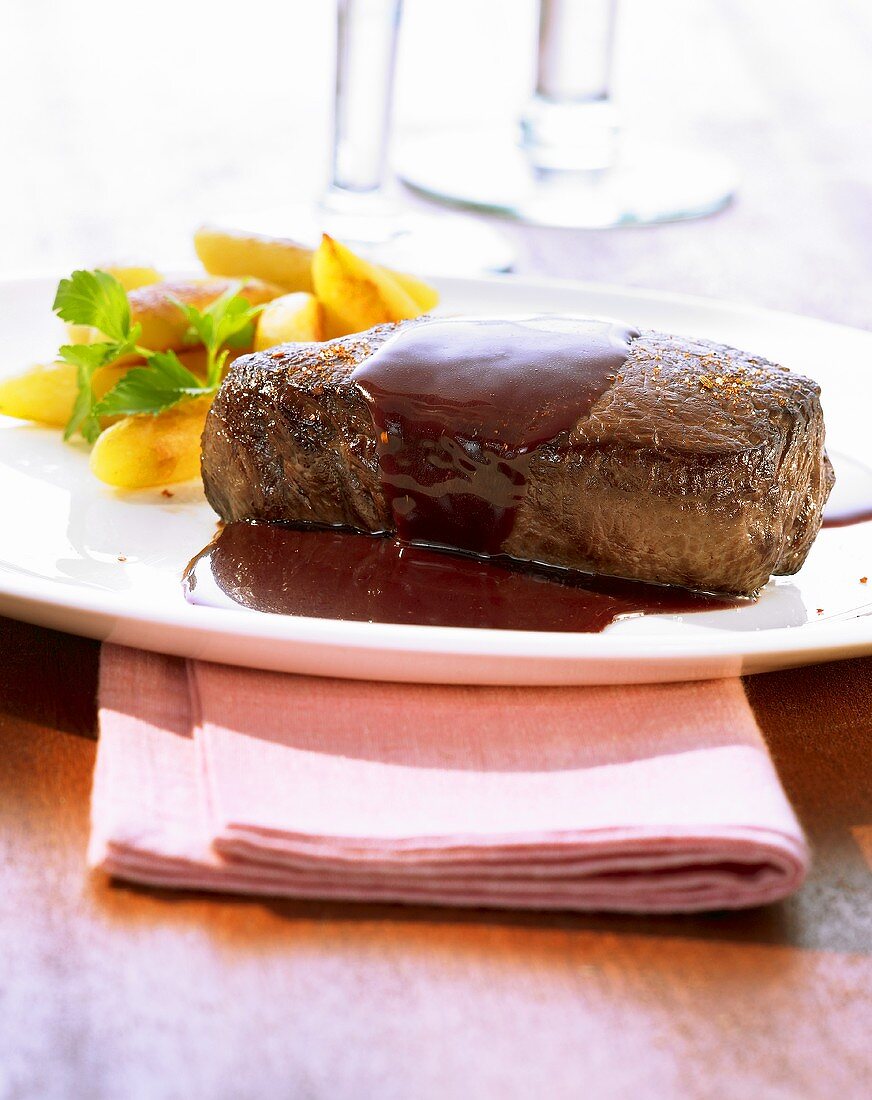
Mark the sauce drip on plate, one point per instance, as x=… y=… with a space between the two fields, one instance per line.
x=459 y=407
x=334 y=574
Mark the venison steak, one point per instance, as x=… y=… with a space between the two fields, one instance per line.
x=698 y=465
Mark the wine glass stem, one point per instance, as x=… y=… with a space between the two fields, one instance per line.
x=571 y=123
x=366 y=52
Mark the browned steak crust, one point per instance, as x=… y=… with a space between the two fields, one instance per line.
x=701 y=466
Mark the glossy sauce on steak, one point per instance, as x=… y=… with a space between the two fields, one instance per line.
x=461 y=405
x=663 y=459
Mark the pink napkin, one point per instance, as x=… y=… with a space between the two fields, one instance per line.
x=647 y=799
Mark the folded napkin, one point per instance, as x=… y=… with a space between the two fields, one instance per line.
x=648 y=799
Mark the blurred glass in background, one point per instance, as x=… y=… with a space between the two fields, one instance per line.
x=124 y=126
x=360 y=205
x=572 y=163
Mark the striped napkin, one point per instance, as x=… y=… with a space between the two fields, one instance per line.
x=646 y=799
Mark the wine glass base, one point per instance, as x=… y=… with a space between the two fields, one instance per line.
x=485 y=170
x=429 y=244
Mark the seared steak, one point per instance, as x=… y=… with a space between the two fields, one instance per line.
x=699 y=466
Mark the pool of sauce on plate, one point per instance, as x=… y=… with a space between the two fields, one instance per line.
x=336 y=574
x=851 y=499
x=459 y=408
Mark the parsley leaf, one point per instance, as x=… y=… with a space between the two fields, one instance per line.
x=97 y=299
x=228 y=322
x=86 y=358
x=89 y=356
x=151 y=389
x=82 y=418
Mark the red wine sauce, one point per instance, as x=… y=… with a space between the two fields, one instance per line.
x=460 y=405
x=335 y=574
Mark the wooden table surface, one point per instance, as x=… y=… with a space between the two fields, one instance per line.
x=109 y=991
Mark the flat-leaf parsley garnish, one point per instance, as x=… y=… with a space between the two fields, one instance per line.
x=97 y=300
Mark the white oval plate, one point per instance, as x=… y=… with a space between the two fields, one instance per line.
x=79 y=557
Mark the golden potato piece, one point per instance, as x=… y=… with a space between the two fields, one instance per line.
x=292 y=318
x=45 y=393
x=143 y=451
x=163 y=323
x=356 y=294
x=132 y=278
x=82 y=334
x=281 y=261
x=424 y=295
x=275 y=259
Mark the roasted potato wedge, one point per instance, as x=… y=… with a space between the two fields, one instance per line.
x=163 y=323
x=139 y=452
x=274 y=259
x=45 y=393
x=292 y=318
x=356 y=294
x=421 y=293
x=132 y=278
x=281 y=261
